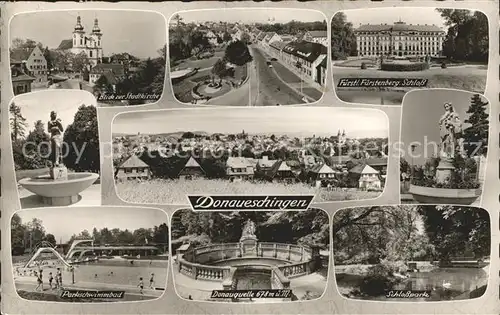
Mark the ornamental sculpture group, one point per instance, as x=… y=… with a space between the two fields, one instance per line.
x=452 y=142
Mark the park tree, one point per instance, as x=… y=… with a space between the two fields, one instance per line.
x=17 y=122
x=47 y=54
x=237 y=53
x=50 y=238
x=476 y=136
x=37 y=147
x=457 y=230
x=82 y=137
x=18 y=43
x=80 y=62
x=218 y=70
x=467 y=38
x=18 y=232
x=102 y=85
x=343 y=38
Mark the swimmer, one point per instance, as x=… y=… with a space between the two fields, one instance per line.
x=39 y=282
x=95 y=276
x=141 y=285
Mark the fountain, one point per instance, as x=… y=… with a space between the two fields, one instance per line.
x=248 y=240
x=58 y=188
x=452 y=146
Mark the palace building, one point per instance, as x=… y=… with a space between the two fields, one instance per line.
x=90 y=44
x=399 y=39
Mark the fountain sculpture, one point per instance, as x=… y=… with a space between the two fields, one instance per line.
x=59 y=188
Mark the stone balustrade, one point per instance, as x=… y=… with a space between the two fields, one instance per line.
x=292 y=261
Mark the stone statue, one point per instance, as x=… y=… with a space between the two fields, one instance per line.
x=249 y=229
x=55 y=129
x=450 y=129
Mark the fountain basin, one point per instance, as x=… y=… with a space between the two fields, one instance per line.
x=450 y=196
x=59 y=192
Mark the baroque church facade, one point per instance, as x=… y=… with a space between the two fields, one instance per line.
x=88 y=43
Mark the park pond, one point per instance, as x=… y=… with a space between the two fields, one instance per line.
x=460 y=283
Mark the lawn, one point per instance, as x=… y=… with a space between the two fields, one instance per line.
x=356 y=63
x=161 y=191
x=199 y=63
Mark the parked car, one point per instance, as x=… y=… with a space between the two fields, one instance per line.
x=274 y=59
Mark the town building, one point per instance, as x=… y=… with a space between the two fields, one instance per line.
x=88 y=43
x=365 y=177
x=399 y=39
x=21 y=82
x=31 y=62
x=239 y=168
x=379 y=164
x=320 y=37
x=192 y=169
x=270 y=38
x=281 y=171
x=133 y=168
x=321 y=174
x=114 y=73
x=306 y=58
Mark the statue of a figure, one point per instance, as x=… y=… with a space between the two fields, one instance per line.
x=55 y=129
x=249 y=228
x=450 y=129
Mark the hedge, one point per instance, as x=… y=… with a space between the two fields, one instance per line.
x=405 y=66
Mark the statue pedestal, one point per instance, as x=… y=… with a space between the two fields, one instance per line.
x=443 y=171
x=59 y=173
x=248 y=245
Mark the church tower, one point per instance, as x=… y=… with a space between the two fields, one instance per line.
x=95 y=52
x=78 y=37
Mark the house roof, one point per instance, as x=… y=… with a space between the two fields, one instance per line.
x=323 y=63
x=192 y=163
x=305 y=50
x=261 y=36
x=22 y=77
x=377 y=161
x=322 y=169
x=317 y=34
x=340 y=159
x=238 y=162
x=266 y=162
x=283 y=166
x=398 y=26
x=65 y=44
x=279 y=45
x=132 y=162
x=18 y=55
x=363 y=169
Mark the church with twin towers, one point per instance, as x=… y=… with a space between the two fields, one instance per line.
x=88 y=43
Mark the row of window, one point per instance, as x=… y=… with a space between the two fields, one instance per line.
x=32 y=67
x=401 y=33
x=375 y=37
x=361 y=44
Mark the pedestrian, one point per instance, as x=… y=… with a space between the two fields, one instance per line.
x=151 y=280
x=51 y=278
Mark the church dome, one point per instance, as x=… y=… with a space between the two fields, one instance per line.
x=78 y=26
x=96 y=29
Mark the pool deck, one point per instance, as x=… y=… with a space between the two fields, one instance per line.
x=201 y=290
x=29 y=284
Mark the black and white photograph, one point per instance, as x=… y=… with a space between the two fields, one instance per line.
x=161 y=156
x=444 y=144
x=412 y=253
x=223 y=256
x=248 y=57
x=118 y=55
x=90 y=254
x=55 y=146
x=379 y=54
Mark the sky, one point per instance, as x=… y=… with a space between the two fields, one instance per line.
x=250 y=15
x=38 y=105
x=408 y=15
x=63 y=222
x=421 y=113
x=136 y=32
x=303 y=121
